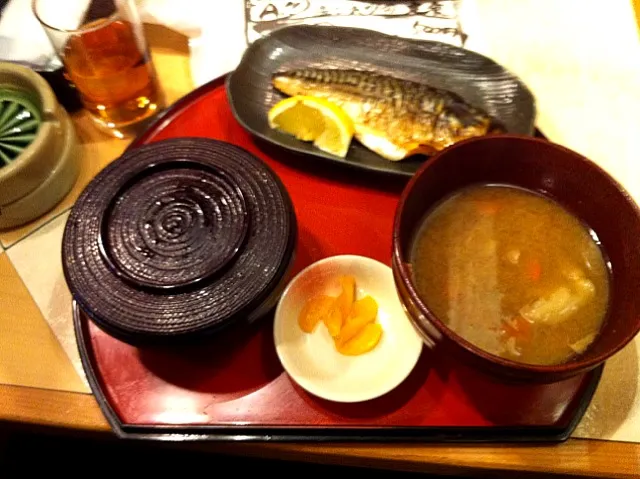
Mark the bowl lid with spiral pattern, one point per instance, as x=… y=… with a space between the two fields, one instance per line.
x=177 y=239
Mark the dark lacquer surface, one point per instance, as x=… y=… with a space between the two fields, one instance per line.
x=178 y=239
x=576 y=183
x=233 y=385
x=479 y=80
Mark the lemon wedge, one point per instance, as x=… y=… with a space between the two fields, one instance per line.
x=314 y=119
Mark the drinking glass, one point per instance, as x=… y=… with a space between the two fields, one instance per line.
x=105 y=55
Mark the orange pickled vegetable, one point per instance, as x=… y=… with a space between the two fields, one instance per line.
x=366 y=306
x=333 y=321
x=363 y=342
x=345 y=300
x=350 y=323
x=315 y=310
x=363 y=312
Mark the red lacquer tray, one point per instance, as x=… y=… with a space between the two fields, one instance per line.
x=233 y=387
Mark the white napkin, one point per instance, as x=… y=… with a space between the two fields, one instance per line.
x=219 y=33
x=215 y=30
x=23 y=39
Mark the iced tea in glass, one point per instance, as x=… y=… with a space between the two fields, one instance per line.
x=105 y=55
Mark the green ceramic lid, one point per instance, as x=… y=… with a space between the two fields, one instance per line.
x=19 y=123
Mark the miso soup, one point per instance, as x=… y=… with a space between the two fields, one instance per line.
x=513 y=273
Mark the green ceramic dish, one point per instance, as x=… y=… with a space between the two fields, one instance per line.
x=38 y=147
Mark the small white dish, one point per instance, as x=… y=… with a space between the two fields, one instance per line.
x=312 y=360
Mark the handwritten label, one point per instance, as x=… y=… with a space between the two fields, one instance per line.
x=420 y=19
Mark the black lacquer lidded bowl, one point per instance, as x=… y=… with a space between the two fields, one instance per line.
x=178 y=239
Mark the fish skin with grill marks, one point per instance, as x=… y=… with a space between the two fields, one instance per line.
x=393 y=117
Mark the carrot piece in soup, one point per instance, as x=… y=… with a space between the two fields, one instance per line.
x=534 y=270
x=488 y=207
x=518 y=328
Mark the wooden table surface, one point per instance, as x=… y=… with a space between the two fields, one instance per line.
x=577 y=457
x=76 y=412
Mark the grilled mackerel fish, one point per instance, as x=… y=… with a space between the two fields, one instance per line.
x=394 y=118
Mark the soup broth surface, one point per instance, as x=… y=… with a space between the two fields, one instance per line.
x=513 y=273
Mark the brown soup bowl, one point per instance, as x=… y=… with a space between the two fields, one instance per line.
x=556 y=172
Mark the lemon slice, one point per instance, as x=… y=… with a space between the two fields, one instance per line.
x=314 y=119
